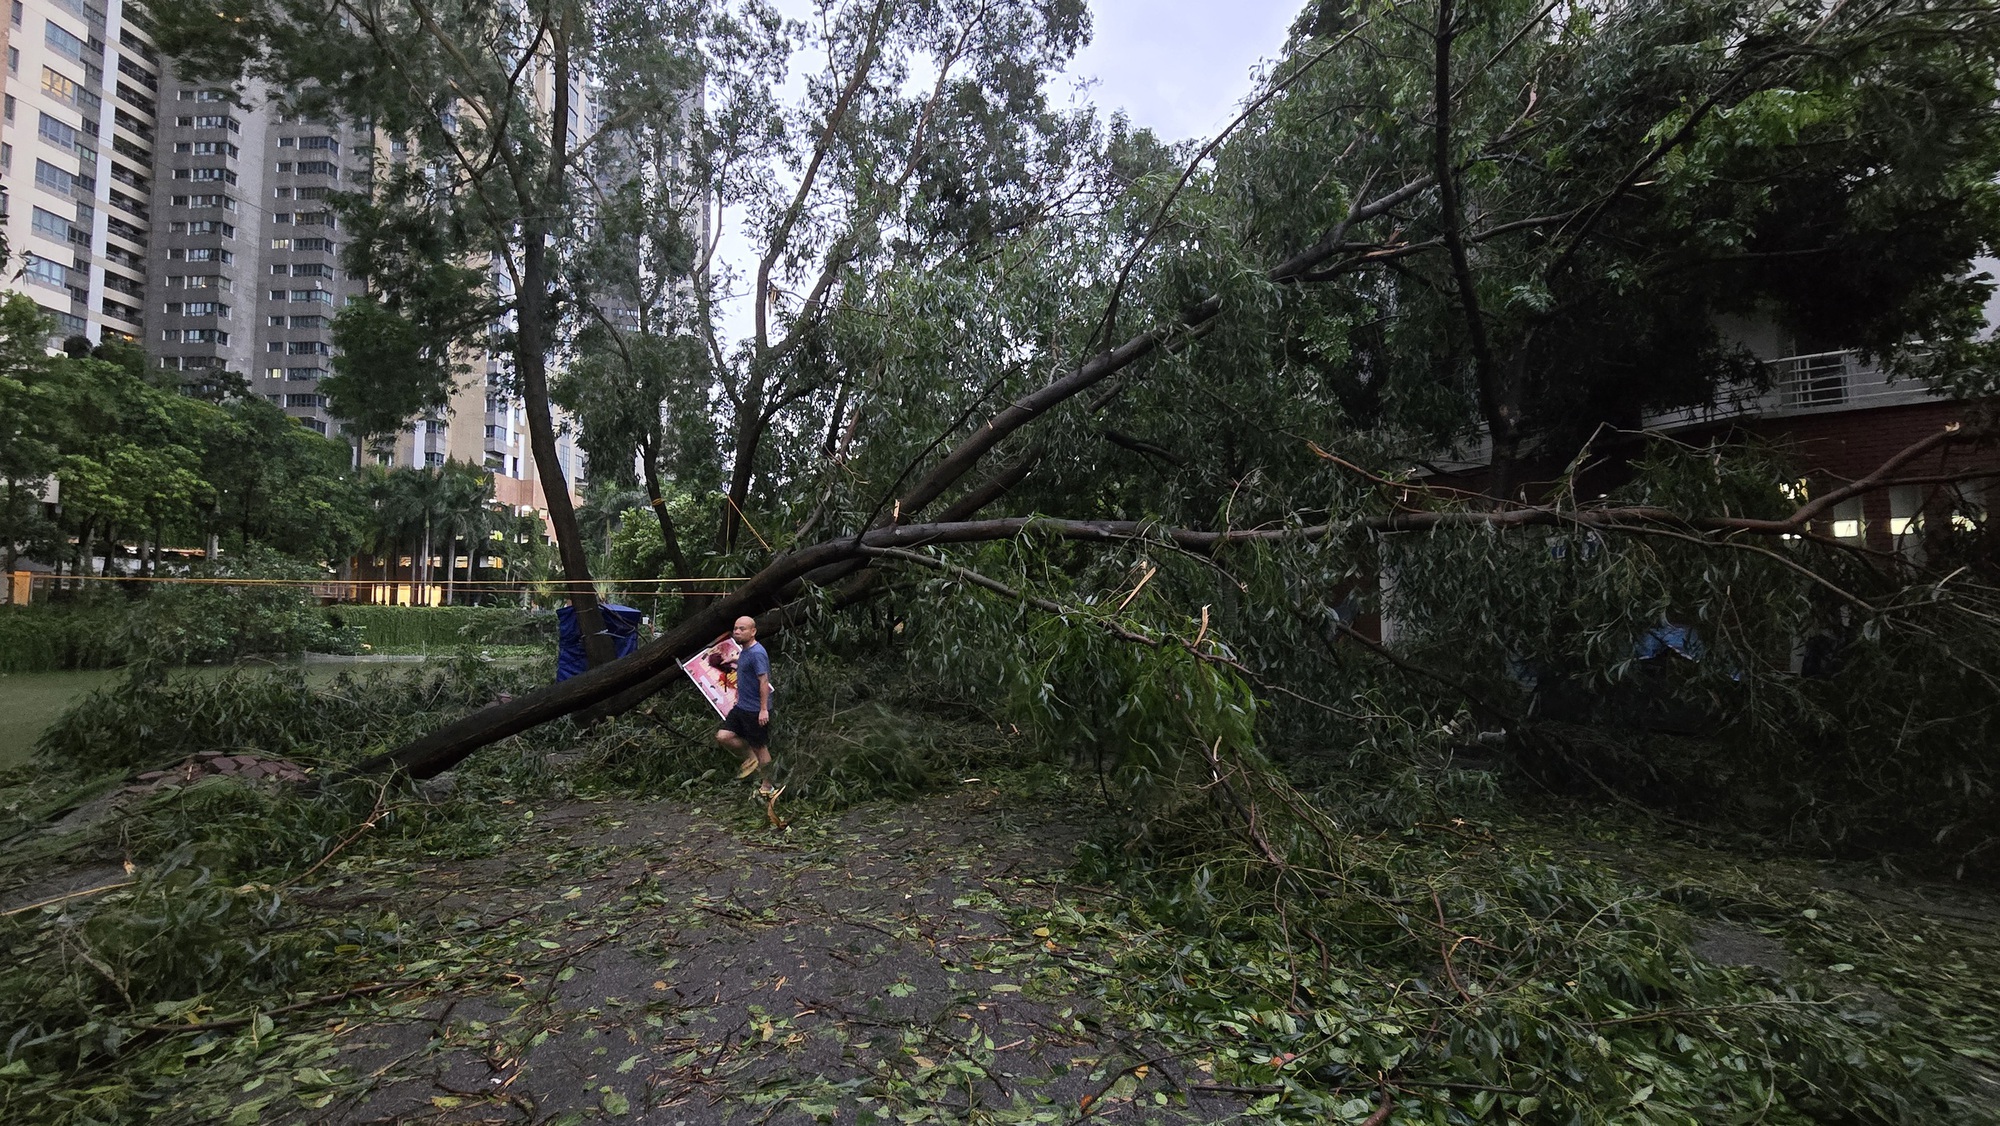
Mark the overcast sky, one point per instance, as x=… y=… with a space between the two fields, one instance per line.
x=1177 y=67
x=1180 y=67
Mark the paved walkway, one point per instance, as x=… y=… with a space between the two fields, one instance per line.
x=680 y=965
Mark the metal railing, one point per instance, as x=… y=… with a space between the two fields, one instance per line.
x=1810 y=384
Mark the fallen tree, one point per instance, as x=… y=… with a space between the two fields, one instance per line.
x=655 y=666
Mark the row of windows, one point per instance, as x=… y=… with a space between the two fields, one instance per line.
x=295 y=374
x=307 y=400
x=200 y=281
x=57 y=227
x=191 y=363
x=215 y=199
x=202 y=227
x=325 y=246
x=44 y=270
x=326 y=143
x=310 y=168
x=305 y=218
x=300 y=193
x=60 y=181
x=311 y=296
x=196 y=309
x=308 y=321
x=299 y=347
x=63 y=43
x=65 y=90
x=224 y=175
x=304 y=270
x=200 y=254
x=58 y=133
x=208 y=148
x=203 y=96
x=194 y=336
x=210 y=121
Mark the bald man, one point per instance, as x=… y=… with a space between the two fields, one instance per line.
x=747 y=728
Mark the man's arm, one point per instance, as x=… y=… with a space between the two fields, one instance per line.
x=763 y=697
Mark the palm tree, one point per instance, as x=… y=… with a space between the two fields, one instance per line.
x=465 y=508
x=407 y=504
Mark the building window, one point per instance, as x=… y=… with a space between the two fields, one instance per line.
x=281 y=218
x=275 y=321
x=55 y=132
x=312 y=270
x=45 y=271
x=317 y=426
x=316 y=219
x=307 y=348
x=53 y=178
x=297 y=374
x=209 y=121
x=200 y=254
x=306 y=400
x=275 y=345
x=58 y=86
x=308 y=322
x=433 y=459
x=319 y=296
x=17 y=13
x=326 y=143
x=317 y=168
x=205 y=174
x=54 y=226
x=59 y=41
x=281 y=193
x=322 y=245
x=203 y=96
x=284 y=166
x=211 y=227
x=205 y=309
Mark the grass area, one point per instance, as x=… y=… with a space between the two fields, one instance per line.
x=954 y=924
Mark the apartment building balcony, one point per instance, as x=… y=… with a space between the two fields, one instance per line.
x=1820 y=383
x=1795 y=387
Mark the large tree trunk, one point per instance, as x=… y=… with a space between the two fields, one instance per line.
x=531 y=361
x=669 y=535
x=749 y=435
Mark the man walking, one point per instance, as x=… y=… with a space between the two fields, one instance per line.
x=747 y=728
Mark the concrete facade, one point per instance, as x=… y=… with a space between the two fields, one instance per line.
x=76 y=149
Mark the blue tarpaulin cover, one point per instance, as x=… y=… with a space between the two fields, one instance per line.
x=621 y=622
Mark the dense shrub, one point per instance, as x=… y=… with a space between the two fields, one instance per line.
x=161 y=718
x=424 y=628
x=178 y=624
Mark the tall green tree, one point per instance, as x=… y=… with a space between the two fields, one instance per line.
x=487 y=102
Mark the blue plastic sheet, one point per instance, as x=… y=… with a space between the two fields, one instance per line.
x=621 y=622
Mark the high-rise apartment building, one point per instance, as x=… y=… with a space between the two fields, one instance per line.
x=196 y=219
x=76 y=154
x=245 y=260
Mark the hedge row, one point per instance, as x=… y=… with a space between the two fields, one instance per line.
x=206 y=626
x=423 y=628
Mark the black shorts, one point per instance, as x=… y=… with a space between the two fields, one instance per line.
x=745 y=723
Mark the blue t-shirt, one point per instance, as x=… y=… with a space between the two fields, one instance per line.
x=751 y=663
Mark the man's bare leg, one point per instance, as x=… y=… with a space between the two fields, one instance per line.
x=753 y=760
